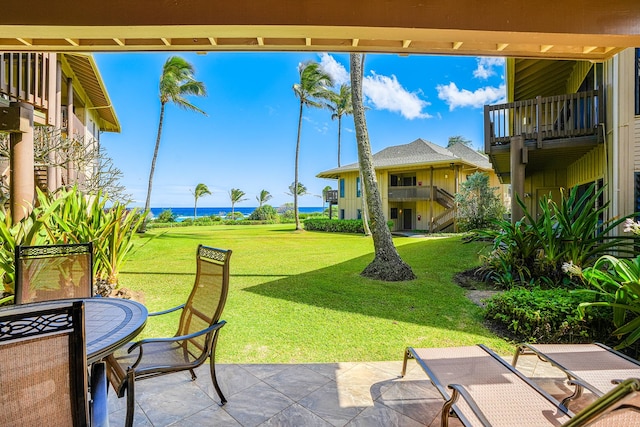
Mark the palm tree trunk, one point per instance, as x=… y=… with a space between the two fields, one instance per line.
x=339 y=134
x=195 y=209
x=295 y=178
x=387 y=264
x=147 y=204
x=365 y=211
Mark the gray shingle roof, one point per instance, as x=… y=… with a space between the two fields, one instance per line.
x=418 y=152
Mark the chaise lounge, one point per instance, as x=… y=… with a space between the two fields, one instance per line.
x=482 y=389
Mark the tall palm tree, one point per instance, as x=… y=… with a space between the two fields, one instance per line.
x=201 y=190
x=236 y=195
x=313 y=86
x=340 y=104
x=263 y=198
x=176 y=83
x=387 y=264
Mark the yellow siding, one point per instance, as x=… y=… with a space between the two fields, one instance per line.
x=587 y=169
x=580 y=71
x=636 y=144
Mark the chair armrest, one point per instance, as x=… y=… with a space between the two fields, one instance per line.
x=170 y=310
x=99 y=386
x=211 y=328
x=459 y=390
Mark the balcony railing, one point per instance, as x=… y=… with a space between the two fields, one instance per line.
x=25 y=77
x=540 y=119
x=331 y=196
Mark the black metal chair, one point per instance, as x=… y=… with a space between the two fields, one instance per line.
x=53 y=272
x=194 y=341
x=44 y=370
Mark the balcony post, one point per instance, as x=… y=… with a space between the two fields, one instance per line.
x=538 y=121
x=487 y=130
x=431 y=204
x=517 y=177
x=18 y=120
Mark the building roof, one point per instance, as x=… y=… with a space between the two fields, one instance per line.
x=417 y=153
x=86 y=71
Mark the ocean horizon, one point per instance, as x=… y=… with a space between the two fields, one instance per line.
x=184 y=213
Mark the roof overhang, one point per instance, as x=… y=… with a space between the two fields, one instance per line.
x=570 y=29
x=86 y=72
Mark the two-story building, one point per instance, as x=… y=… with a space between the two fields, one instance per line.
x=568 y=124
x=417 y=182
x=63 y=94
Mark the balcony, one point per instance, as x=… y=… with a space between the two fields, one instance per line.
x=557 y=130
x=416 y=193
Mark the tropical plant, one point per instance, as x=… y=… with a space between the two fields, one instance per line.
x=387 y=264
x=313 y=86
x=166 y=215
x=532 y=251
x=264 y=213
x=236 y=196
x=478 y=206
x=458 y=139
x=299 y=190
x=340 y=105
x=201 y=190
x=263 y=197
x=176 y=83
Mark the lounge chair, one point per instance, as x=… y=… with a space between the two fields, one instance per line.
x=594 y=367
x=496 y=394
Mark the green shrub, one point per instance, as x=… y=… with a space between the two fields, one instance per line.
x=166 y=216
x=547 y=316
x=264 y=213
x=478 y=204
x=336 y=225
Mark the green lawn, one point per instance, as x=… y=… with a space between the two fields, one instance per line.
x=298 y=297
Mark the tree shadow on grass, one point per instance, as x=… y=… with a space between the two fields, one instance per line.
x=430 y=300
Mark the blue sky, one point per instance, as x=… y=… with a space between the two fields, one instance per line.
x=247 y=140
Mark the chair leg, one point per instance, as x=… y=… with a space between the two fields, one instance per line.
x=193 y=375
x=212 y=368
x=131 y=398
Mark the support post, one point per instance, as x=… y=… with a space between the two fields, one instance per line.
x=18 y=120
x=517 y=177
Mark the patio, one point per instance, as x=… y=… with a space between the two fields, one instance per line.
x=323 y=394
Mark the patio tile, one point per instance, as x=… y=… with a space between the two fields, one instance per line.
x=336 y=406
x=231 y=378
x=416 y=399
x=362 y=377
x=262 y=371
x=331 y=370
x=214 y=415
x=297 y=381
x=295 y=416
x=170 y=398
x=382 y=416
x=256 y=404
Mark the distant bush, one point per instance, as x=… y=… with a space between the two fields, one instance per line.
x=166 y=216
x=336 y=225
x=547 y=316
x=264 y=213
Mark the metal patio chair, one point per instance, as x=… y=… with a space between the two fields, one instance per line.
x=53 y=272
x=194 y=341
x=44 y=370
x=595 y=367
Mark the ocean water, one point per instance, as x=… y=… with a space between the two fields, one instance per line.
x=184 y=213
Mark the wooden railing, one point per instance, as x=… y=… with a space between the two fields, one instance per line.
x=539 y=119
x=443 y=220
x=25 y=77
x=331 y=196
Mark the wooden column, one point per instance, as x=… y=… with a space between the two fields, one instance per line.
x=54 y=172
x=518 y=163
x=70 y=130
x=17 y=119
x=431 y=203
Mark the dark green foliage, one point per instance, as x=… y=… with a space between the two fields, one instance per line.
x=532 y=251
x=166 y=216
x=478 y=204
x=547 y=316
x=264 y=213
x=336 y=225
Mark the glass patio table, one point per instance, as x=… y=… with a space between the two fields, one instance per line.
x=109 y=323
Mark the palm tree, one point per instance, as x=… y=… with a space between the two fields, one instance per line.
x=236 y=195
x=176 y=82
x=458 y=139
x=263 y=198
x=387 y=264
x=313 y=86
x=340 y=105
x=201 y=190
x=325 y=191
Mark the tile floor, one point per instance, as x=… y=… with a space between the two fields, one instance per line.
x=324 y=394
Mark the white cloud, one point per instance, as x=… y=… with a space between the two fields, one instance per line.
x=486 y=67
x=332 y=67
x=455 y=97
x=386 y=93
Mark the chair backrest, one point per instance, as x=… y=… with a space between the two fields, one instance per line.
x=43 y=371
x=208 y=296
x=619 y=407
x=52 y=272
